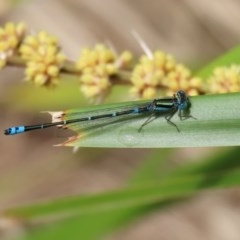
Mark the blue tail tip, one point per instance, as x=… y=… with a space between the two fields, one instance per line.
x=14 y=130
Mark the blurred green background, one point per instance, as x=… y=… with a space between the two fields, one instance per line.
x=32 y=170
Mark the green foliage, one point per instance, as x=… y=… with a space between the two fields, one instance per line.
x=215 y=116
x=227 y=59
x=155 y=184
x=91 y=217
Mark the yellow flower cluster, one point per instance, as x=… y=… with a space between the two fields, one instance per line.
x=43 y=59
x=161 y=71
x=181 y=78
x=149 y=73
x=99 y=67
x=11 y=36
x=225 y=79
x=124 y=61
x=96 y=66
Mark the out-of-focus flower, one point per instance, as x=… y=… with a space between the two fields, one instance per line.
x=11 y=35
x=224 y=79
x=149 y=73
x=124 y=61
x=96 y=66
x=43 y=59
x=181 y=78
x=162 y=72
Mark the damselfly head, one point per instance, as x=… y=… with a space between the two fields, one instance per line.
x=182 y=100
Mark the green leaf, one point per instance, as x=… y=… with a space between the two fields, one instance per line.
x=231 y=57
x=65 y=95
x=89 y=217
x=216 y=123
x=155 y=166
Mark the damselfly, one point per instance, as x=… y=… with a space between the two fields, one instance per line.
x=75 y=119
